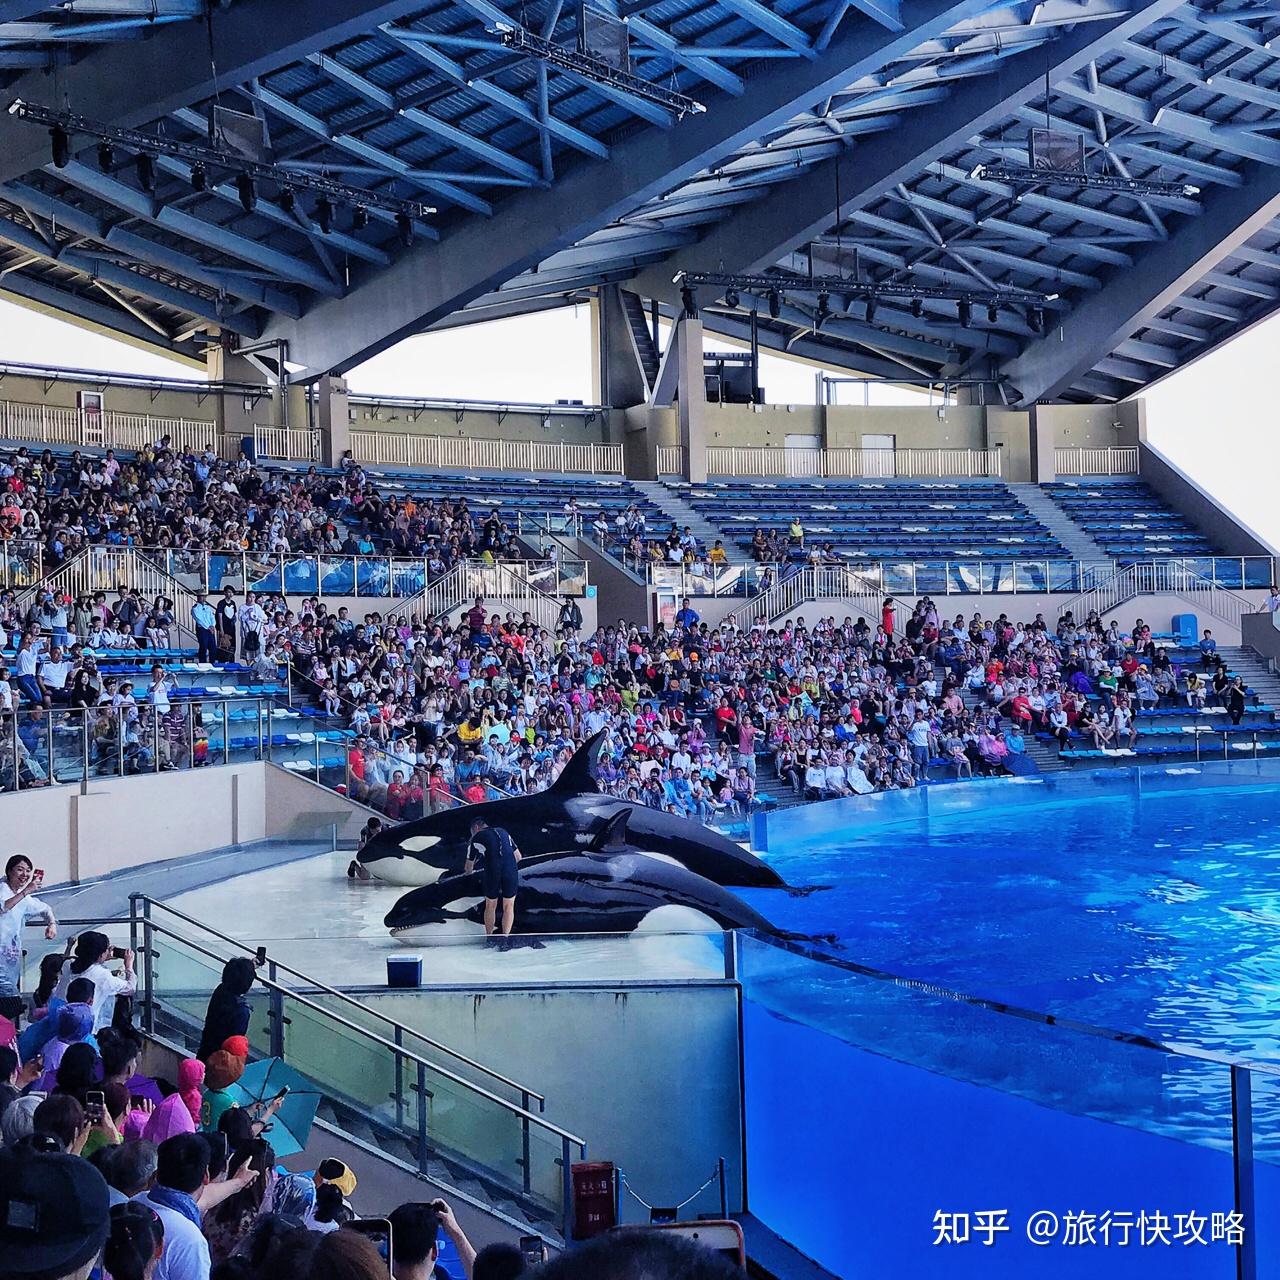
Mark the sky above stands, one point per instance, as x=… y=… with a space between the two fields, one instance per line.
x=1214 y=419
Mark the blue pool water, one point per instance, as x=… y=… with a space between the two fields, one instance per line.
x=1154 y=913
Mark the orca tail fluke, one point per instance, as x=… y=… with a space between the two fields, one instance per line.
x=580 y=773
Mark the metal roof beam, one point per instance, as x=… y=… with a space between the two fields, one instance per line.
x=1160 y=277
x=430 y=281
x=138 y=204
x=144 y=80
x=517 y=108
x=796 y=212
x=138 y=247
x=772 y=23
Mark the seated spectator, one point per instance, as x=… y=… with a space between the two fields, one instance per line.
x=415 y=1241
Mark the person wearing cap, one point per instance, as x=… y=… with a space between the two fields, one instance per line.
x=54 y=1216
x=205 y=621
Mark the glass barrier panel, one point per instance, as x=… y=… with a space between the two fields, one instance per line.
x=262 y=573
x=1030 y=575
x=408 y=577
x=225 y=571
x=373 y=576
x=1264 y=1092
x=189 y=567
x=302 y=576
x=67 y=745
x=1259 y=572
x=899 y=579
x=1063 y=576
x=986 y=1127
x=337 y=575
x=963 y=579
x=931 y=578
x=182 y=980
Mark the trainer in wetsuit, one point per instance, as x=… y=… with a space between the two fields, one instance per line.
x=497 y=855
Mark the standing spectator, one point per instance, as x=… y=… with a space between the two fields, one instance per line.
x=227 y=615
x=92 y=953
x=252 y=619
x=205 y=621
x=228 y=1011
x=18 y=904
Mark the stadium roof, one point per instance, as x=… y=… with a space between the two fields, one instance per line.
x=839 y=133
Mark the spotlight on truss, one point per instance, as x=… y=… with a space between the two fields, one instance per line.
x=146 y=147
x=1041 y=177
x=596 y=69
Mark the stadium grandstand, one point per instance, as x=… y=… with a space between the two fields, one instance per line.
x=476 y=838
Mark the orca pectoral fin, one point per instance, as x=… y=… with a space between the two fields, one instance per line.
x=579 y=774
x=804 y=890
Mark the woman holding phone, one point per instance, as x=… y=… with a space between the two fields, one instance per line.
x=92 y=954
x=18 y=904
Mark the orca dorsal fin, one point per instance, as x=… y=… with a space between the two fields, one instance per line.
x=579 y=774
x=612 y=837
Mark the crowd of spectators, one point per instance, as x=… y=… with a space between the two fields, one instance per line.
x=108 y=1169
x=167 y=499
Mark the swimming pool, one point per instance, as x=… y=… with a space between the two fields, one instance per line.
x=1145 y=905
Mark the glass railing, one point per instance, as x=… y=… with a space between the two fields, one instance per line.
x=973 y=1117
x=422 y=1109
x=947 y=577
x=39 y=748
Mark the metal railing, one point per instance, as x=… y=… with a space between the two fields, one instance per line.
x=1160 y=577
x=1113 y=460
x=42 y=746
x=107 y=429
x=385 y=448
x=814 y=583
x=298 y=1030
x=287 y=444
x=399 y=1030
x=790 y=463
x=670 y=460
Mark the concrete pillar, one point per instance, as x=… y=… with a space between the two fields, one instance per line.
x=1044 y=460
x=333 y=418
x=238 y=412
x=619 y=373
x=691 y=395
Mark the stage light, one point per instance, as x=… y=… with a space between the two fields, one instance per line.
x=731 y=298
x=964 y=310
x=689 y=301
x=199 y=177
x=993 y=313
x=287 y=200
x=1035 y=319
x=359 y=218
x=106 y=157
x=404 y=225
x=324 y=214
x=146 y=169
x=247 y=192
x=917 y=307
x=60 y=141
x=871 y=309
x=775 y=303
x=824 y=310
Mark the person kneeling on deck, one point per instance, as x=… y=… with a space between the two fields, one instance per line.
x=496 y=852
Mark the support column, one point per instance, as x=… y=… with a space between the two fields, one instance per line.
x=620 y=373
x=1044 y=459
x=333 y=418
x=238 y=412
x=691 y=396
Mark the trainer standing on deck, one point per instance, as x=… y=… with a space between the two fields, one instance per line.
x=498 y=856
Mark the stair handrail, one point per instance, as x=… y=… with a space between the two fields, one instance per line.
x=141 y=921
x=1152 y=576
x=150 y=904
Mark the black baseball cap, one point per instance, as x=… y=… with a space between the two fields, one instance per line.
x=55 y=1215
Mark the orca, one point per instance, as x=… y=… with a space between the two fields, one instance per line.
x=569 y=817
x=583 y=893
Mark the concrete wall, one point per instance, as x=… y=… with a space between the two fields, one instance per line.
x=1261 y=633
x=477 y=424
x=120 y=823
x=656 y=1070
x=1182 y=493
x=1092 y=426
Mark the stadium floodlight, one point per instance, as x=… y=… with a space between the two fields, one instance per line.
x=146 y=147
x=598 y=70
x=1038 y=177
x=871 y=292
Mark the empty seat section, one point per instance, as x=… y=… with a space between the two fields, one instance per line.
x=881 y=520
x=1128 y=519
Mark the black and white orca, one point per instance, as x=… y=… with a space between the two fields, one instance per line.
x=569 y=817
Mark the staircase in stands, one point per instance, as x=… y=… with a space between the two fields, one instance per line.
x=1079 y=544
x=638 y=322
x=676 y=509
